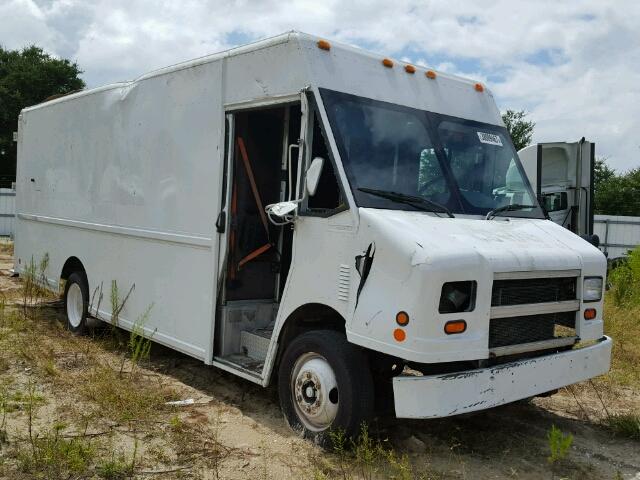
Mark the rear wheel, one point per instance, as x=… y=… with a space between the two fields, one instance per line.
x=325 y=384
x=76 y=302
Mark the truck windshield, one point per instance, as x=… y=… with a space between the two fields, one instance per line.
x=466 y=166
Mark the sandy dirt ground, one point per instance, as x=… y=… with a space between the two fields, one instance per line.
x=235 y=430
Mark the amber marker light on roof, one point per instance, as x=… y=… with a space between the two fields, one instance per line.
x=410 y=69
x=387 y=62
x=479 y=87
x=324 y=45
x=430 y=74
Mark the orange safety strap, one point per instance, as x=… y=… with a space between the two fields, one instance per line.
x=252 y=182
x=254 y=254
x=256 y=195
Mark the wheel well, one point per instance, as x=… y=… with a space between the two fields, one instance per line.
x=317 y=316
x=73 y=264
x=312 y=316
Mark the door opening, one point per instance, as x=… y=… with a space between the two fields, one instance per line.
x=258 y=253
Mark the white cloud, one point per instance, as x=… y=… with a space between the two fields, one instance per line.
x=574 y=65
x=23 y=23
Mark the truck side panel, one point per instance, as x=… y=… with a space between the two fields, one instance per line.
x=128 y=180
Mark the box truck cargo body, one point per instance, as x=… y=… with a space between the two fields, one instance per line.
x=304 y=212
x=562 y=175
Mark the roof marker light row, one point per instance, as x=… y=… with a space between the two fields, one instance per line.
x=388 y=63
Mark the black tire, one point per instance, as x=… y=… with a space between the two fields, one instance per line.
x=354 y=384
x=72 y=324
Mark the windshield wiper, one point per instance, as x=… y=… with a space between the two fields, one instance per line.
x=417 y=202
x=507 y=208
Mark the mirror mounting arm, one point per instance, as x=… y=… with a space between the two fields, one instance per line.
x=285 y=211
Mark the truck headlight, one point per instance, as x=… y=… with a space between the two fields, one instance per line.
x=458 y=297
x=592 y=289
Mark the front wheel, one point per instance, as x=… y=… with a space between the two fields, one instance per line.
x=325 y=384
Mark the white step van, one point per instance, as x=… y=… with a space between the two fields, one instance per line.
x=303 y=212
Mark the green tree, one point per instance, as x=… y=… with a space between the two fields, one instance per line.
x=602 y=172
x=616 y=194
x=27 y=77
x=518 y=127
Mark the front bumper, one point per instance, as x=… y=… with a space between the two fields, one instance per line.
x=462 y=392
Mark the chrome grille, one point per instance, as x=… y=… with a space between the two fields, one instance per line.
x=533 y=314
x=530 y=328
x=532 y=290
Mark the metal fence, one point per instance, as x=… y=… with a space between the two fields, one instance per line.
x=617 y=234
x=7 y=211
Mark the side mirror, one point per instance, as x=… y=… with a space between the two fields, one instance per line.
x=285 y=210
x=281 y=209
x=313 y=175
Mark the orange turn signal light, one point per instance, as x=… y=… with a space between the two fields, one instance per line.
x=324 y=45
x=402 y=319
x=479 y=87
x=455 y=326
x=387 y=62
x=430 y=74
x=590 y=314
x=410 y=69
x=399 y=335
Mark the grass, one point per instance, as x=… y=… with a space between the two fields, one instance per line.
x=625 y=281
x=6 y=247
x=622 y=321
x=559 y=444
x=623 y=325
x=34 y=282
x=35 y=347
x=51 y=455
x=48 y=453
x=116 y=468
x=368 y=457
x=4 y=408
x=624 y=425
x=195 y=441
x=124 y=398
x=117 y=303
x=118 y=395
x=139 y=345
x=45 y=452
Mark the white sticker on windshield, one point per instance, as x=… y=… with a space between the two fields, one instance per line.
x=489 y=138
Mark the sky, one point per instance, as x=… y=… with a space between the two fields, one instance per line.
x=573 y=65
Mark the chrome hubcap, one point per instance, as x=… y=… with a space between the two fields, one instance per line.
x=315 y=391
x=74 y=305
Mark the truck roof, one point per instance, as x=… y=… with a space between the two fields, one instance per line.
x=343 y=68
